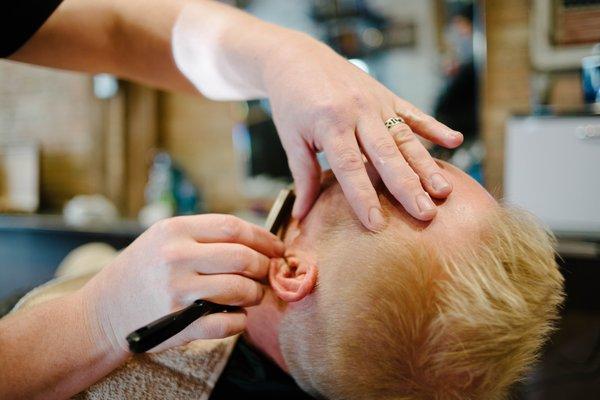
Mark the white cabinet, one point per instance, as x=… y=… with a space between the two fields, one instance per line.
x=552 y=168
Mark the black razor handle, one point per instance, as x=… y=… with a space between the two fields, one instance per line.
x=156 y=332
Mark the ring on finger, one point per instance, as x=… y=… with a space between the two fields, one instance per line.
x=391 y=122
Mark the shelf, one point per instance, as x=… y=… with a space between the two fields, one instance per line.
x=55 y=223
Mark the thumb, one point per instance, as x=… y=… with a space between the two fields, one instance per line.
x=307 y=179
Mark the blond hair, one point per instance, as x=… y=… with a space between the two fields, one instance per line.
x=425 y=321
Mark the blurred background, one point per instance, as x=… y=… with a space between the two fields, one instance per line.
x=93 y=158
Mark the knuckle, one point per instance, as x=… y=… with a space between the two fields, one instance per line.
x=168 y=226
x=349 y=160
x=222 y=328
x=232 y=227
x=403 y=135
x=334 y=116
x=216 y=329
x=170 y=255
x=247 y=292
x=362 y=192
x=363 y=188
x=251 y=264
x=327 y=110
x=338 y=129
x=257 y=294
x=361 y=198
x=359 y=100
x=239 y=291
x=230 y=329
x=385 y=148
x=420 y=162
x=225 y=328
x=239 y=258
x=409 y=180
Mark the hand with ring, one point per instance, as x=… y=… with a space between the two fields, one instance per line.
x=321 y=102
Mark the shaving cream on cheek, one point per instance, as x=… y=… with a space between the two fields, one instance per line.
x=199 y=56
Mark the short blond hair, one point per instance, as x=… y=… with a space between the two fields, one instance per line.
x=425 y=321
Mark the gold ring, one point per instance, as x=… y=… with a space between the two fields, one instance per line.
x=391 y=122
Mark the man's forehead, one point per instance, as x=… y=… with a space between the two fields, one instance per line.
x=467 y=192
x=467 y=203
x=463 y=209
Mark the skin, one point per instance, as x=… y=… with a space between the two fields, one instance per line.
x=293 y=277
x=320 y=101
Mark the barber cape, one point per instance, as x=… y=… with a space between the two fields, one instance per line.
x=185 y=372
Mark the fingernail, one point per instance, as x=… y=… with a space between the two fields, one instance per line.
x=376 y=219
x=424 y=203
x=439 y=183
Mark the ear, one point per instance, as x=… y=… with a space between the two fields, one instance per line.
x=292 y=279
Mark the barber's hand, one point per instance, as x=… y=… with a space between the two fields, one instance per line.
x=321 y=102
x=219 y=258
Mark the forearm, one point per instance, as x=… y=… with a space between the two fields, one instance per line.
x=51 y=351
x=227 y=53
x=134 y=39
x=130 y=39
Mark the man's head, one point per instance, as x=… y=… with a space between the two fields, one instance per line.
x=452 y=309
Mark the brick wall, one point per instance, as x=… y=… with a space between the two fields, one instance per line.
x=506 y=83
x=56 y=110
x=507 y=80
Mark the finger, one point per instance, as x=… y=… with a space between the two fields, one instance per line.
x=432 y=176
x=217 y=326
x=307 y=175
x=400 y=179
x=221 y=228
x=228 y=258
x=213 y=326
x=345 y=159
x=427 y=126
x=226 y=289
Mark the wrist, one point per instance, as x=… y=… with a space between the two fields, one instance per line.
x=295 y=50
x=283 y=50
x=254 y=50
x=97 y=330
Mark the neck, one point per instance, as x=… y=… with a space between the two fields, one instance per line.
x=262 y=329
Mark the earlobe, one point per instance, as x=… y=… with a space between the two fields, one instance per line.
x=292 y=279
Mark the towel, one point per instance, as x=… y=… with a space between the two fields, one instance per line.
x=185 y=372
